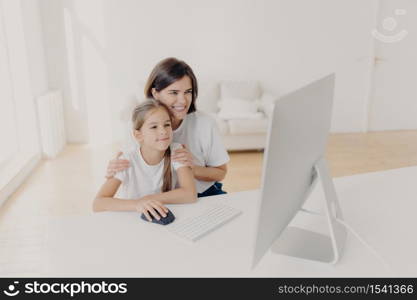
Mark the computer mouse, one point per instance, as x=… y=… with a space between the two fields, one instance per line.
x=162 y=221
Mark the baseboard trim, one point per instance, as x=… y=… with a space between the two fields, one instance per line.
x=21 y=174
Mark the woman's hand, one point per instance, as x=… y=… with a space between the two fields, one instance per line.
x=116 y=165
x=183 y=156
x=149 y=207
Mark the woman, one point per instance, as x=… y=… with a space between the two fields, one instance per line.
x=173 y=83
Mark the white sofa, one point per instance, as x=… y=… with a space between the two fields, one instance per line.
x=241 y=109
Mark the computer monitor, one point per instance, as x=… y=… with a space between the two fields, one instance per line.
x=293 y=162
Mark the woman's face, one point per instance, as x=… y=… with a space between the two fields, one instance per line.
x=177 y=96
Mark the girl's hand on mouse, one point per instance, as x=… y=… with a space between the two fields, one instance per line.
x=149 y=207
x=183 y=156
x=116 y=165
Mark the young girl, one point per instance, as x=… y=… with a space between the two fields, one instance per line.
x=173 y=82
x=150 y=181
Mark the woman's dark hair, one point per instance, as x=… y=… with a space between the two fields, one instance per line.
x=167 y=72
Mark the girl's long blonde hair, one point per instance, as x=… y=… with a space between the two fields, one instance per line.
x=138 y=118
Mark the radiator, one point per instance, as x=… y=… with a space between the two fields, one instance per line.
x=51 y=123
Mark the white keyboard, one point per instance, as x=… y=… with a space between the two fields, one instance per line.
x=198 y=226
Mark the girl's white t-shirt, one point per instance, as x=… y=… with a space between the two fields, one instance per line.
x=199 y=132
x=141 y=179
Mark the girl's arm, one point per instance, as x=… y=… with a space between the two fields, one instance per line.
x=186 y=193
x=105 y=201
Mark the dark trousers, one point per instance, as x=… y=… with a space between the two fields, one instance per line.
x=215 y=189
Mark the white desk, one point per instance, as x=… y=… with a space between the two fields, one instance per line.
x=380 y=206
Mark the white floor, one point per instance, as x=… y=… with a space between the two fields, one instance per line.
x=62 y=186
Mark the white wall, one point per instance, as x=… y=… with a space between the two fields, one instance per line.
x=26 y=79
x=20 y=67
x=394 y=99
x=35 y=50
x=282 y=43
x=52 y=15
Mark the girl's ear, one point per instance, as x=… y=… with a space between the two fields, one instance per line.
x=155 y=94
x=138 y=135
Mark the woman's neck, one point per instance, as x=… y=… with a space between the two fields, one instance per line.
x=151 y=156
x=176 y=124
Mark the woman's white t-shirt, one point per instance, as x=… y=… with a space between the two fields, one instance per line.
x=199 y=132
x=141 y=179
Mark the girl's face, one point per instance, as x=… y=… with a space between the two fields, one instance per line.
x=156 y=131
x=177 y=96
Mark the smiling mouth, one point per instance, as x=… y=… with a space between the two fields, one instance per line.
x=163 y=140
x=178 y=108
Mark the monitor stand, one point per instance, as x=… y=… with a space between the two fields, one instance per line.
x=306 y=244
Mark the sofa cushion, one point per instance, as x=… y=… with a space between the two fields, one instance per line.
x=267 y=104
x=240 y=116
x=246 y=90
x=234 y=108
x=248 y=126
